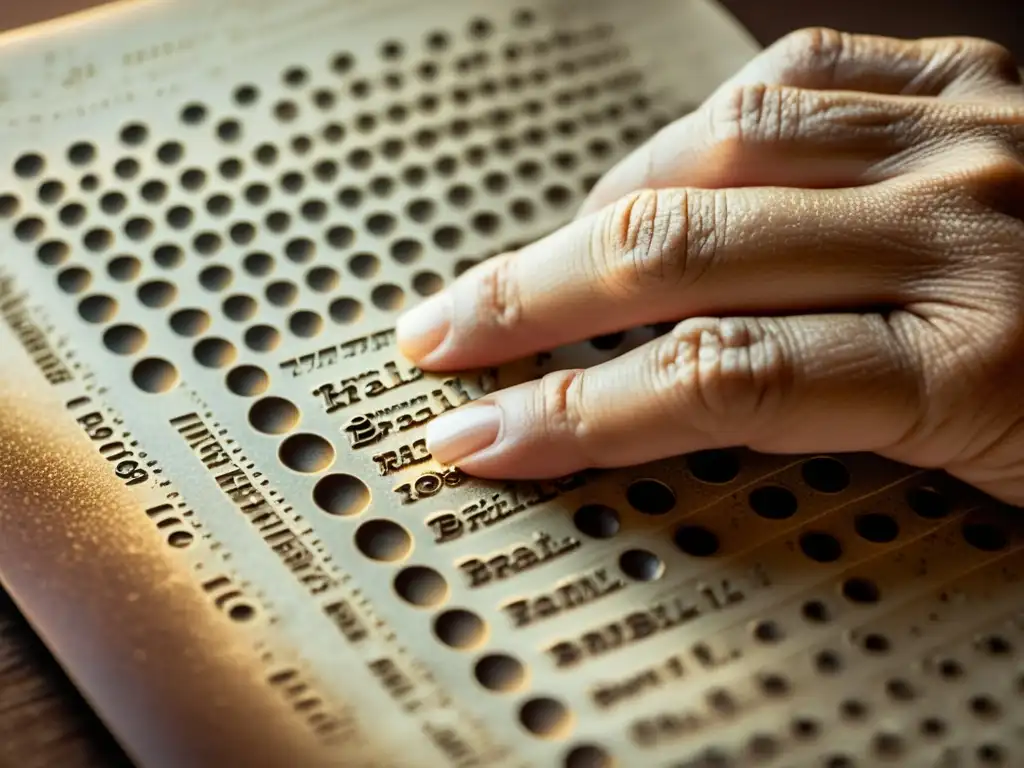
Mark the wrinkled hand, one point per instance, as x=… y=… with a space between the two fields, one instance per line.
x=838 y=231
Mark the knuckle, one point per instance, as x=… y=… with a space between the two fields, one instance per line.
x=559 y=404
x=996 y=179
x=815 y=48
x=726 y=374
x=760 y=113
x=991 y=57
x=499 y=302
x=638 y=244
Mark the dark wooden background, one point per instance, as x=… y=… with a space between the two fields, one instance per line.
x=43 y=721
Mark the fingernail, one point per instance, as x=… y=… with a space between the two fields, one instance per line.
x=422 y=329
x=463 y=432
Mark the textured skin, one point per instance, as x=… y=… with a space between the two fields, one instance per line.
x=43 y=720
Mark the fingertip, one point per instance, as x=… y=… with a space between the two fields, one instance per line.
x=420 y=331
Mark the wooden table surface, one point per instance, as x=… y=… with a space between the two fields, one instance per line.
x=43 y=720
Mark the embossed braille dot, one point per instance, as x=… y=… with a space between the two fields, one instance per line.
x=772 y=502
x=651 y=497
x=383 y=540
x=155 y=375
x=134 y=134
x=825 y=474
x=246 y=95
x=714 y=466
x=282 y=293
x=113 y=203
x=170 y=152
x=74 y=280
x=860 y=590
x=388 y=297
x=815 y=611
x=157 y=293
x=262 y=338
x=322 y=279
x=696 y=541
x=345 y=310
x=300 y=250
x=950 y=669
x=315 y=210
x=821 y=547
x=215 y=278
x=500 y=672
x=247 y=380
x=53 y=253
x=50 y=192
x=932 y=727
x=460 y=628
x=124 y=339
x=340 y=236
x=306 y=453
x=127 y=168
x=545 y=717
x=641 y=565
x=153 y=191
x=984 y=536
x=427 y=283
x=193 y=114
x=168 y=256
x=258 y=264
x=984 y=706
x=406 y=251
x=179 y=217
x=305 y=324
x=32 y=228
x=421 y=586
x=828 y=662
x=229 y=131
x=214 y=353
x=29 y=165
x=189 y=322
x=588 y=756
x=138 y=228
x=899 y=689
x=876 y=527
x=766 y=631
x=274 y=416
x=207 y=243
x=286 y=111
x=447 y=237
x=876 y=643
x=278 y=221
x=72 y=214
x=124 y=269
x=97 y=308
x=597 y=521
x=239 y=307
x=928 y=503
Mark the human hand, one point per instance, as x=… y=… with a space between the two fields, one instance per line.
x=838 y=231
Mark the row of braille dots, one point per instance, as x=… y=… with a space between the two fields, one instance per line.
x=885 y=743
x=214 y=278
x=823 y=474
x=386 y=541
x=365 y=265
x=459 y=194
x=75 y=279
